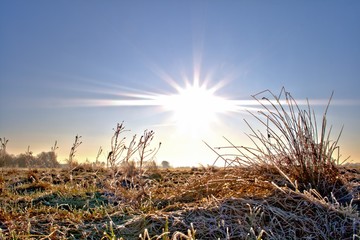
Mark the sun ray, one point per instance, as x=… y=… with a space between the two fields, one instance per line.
x=194 y=106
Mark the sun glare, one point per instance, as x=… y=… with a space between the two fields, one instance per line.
x=194 y=109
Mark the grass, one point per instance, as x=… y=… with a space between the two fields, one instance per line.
x=288 y=186
x=294 y=144
x=233 y=203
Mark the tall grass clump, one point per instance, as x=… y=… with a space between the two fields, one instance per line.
x=294 y=144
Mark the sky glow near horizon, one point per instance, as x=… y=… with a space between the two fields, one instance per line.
x=186 y=70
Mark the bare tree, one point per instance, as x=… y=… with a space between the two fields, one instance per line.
x=165 y=164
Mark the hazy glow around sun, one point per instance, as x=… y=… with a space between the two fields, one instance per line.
x=194 y=108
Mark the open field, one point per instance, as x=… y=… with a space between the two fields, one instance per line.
x=232 y=203
x=290 y=185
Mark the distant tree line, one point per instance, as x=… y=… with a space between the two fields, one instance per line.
x=23 y=160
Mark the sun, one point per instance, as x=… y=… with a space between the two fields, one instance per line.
x=194 y=109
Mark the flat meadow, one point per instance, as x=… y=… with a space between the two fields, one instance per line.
x=289 y=185
x=89 y=202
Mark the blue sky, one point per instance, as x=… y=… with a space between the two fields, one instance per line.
x=56 y=55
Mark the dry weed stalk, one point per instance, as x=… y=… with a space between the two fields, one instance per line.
x=28 y=157
x=73 y=150
x=98 y=155
x=119 y=147
x=144 y=144
x=3 y=143
x=55 y=147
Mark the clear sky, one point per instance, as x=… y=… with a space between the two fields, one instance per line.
x=79 y=67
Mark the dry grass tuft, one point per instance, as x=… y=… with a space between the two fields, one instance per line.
x=293 y=144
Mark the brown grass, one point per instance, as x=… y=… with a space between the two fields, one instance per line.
x=233 y=203
x=293 y=143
